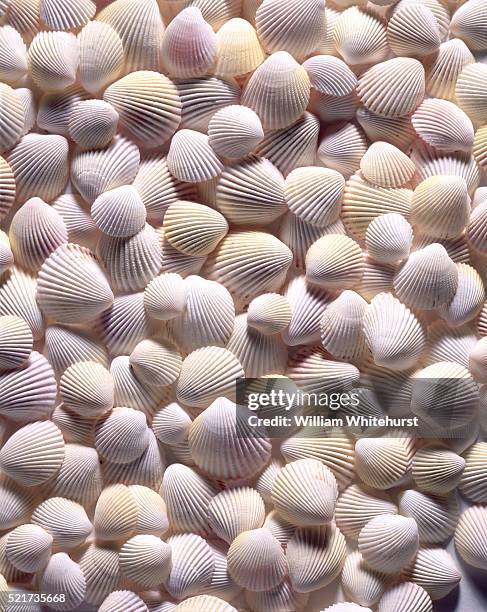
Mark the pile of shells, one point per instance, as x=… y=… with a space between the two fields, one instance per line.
x=197 y=191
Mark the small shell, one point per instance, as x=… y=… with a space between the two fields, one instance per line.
x=235 y=131
x=94 y=172
x=468 y=24
x=72 y=287
x=234 y=511
x=16 y=342
x=13 y=55
x=361 y=583
x=77 y=219
x=191 y=158
x=316 y=556
x=435 y=571
x=11 y=117
x=278 y=91
x=65 y=520
x=388 y=238
x=470 y=537
x=359 y=37
x=389 y=542
x=435 y=515
x=238 y=49
x=256 y=560
x=437 y=470
x=192 y=565
x=174 y=261
x=357 y=505
x=145 y=560
x=115 y=513
x=468 y=299
x=28 y=548
x=334 y=262
x=171 y=424
x=87 y=388
x=341 y=326
x=269 y=313
x=204 y=603
x=31 y=464
x=53 y=60
x=165 y=297
x=99 y=564
x=119 y=212
x=442 y=74
x=428 y=279
x=413 y=30
x=387 y=166
x=330 y=75
x=383 y=463
x=122 y=436
x=151 y=518
x=405 y=597
x=378 y=87
x=397 y=131
x=156 y=363
x=342 y=148
x=101 y=56
x=443 y=125
x=63 y=575
x=92 y=124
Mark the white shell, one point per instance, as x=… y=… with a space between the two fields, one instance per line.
x=17 y=505
x=468 y=24
x=435 y=571
x=13 y=55
x=405 y=597
x=101 y=56
x=435 y=515
x=234 y=511
x=413 y=30
x=123 y=600
x=334 y=262
x=146 y=560
x=62 y=15
x=156 y=363
x=472 y=484
x=204 y=603
x=119 y=212
x=330 y=75
x=99 y=564
x=359 y=37
x=122 y=436
x=191 y=158
x=151 y=518
x=165 y=297
x=65 y=520
x=468 y=299
x=442 y=74
x=16 y=342
x=53 y=60
x=361 y=583
x=443 y=125
x=28 y=548
x=87 y=388
x=388 y=238
x=6 y=255
x=235 y=131
x=437 y=470
x=192 y=565
x=469 y=92
x=341 y=326
x=383 y=462
x=269 y=313
x=63 y=575
x=282 y=596
x=115 y=515
x=387 y=166
x=92 y=123
x=342 y=148
x=470 y=540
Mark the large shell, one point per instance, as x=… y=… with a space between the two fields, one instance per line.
x=383 y=463
x=115 y=513
x=360 y=37
x=13 y=55
x=28 y=548
x=92 y=123
x=435 y=571
x=413 y=30
x=468 y=24
x=334 y=262
x=468 y=299
x=63 y=575
x=192 y=565
x=435 y=515
x=235 y=131
x=65 y=520
x=234 y=511
x=145 y=560
x=101 y=56
x=16 y=342
x=470 y=537
x=238 y=49
x=405 y=597
x=278 y=91
x=342 y=148
x=269 y=313
x=443 y=125
x=437 y=470
x=99 y=564
x=361 y=583
x=53 y=60
x=341 y=326
x=12 y=117
x=87 y=388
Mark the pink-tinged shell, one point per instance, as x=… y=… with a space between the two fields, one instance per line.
x=442 y=73
x=443 y=125
x=13 y=55
x=468 y=23
x=330 y=75
x=360 y=37
x=53 y=60
x=18 y=297
x=101 y=56
x=92 y=123
x=120 y=212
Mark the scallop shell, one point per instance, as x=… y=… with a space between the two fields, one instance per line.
x=94 y=172
x=17 y=505
x=65 y=520
x=87 y=388
x=472 y=484
x=92 y=124
x=413 y=30
x=316 y=556
x=383 y=463
x=360 y=37
x=156 y=363
x=378 y=87
x=63 y=575
x=269 y=313
x=442 y=73
x=122 y=436
x=31 y=464
x=28 y=393
x=389 y=542
x=437 y=470
x=101 y=57
x=28 y=548
x=281 y=597
x=204 y=603
x=397 y=131
x=342 y=148
x=468 y=24
x=119 y=212
x=234 y=511
x=341 y=326
x=357 y=505
x=76 y=216
x=238 y=49
x=470 y=537
x=278 y=91
x=171 y=424
x=235 y=131
x=140 y=28
x=435 y=571
x=428 y=279
x=387 y=166
x=469 y=92
x=192 y=565
x=7 y=187
x=468 y=299
x=40 y=166
x=53 y=60
x=145 y=560
x=16 y=342
x=435 y=515
x=388 y=238
x=115 y=513
x=99 y=564
x=404 y=597
x=256 y=560
x=443 y=125
x=330 y=75
x=55 y=109
x=151 y=518
x=13 y=55
x=361 y=583
x=334 y=262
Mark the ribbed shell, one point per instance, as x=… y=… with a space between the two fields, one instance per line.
x=204 y=603
x=192 y=568
x=99 y=564
x=281 y=597
x=437 y=470
x=92 y=123
x=442 y=73
x=383 y=463
x=443 y=125
x=76 y=216
x=122 y=436
x=388 y=238
x=476 y=232
x=16 y=342
x=235 y=131
x=479 y=147
x=101 y=57
x=269 y=313
x=470 y=94
x=474 y=475
x=120 y=212
x=65 y=520
x=28 y=548
x=217 y=12
x=63 y=575
x=330 y=75
x=477 y=360
x=145 y=560
x=234 y=511
x=334 y=262
x=62 y=15
x=191 y=158
x=156 y=363
x=54 y=109
x=361 y=583
x=397 y=131
x=11 y=117
x=224 y=445
x=468 y=23
x=387 y=166
x=360 y=37
x=405 y=597
x=115 y=513
x=435 y=515
x=87 y=388
x=470 y=537
x=468 y=299
x=238 y=49
x=413 y=30
x=346 y=607
x=165 y=297
x=278 y=91
x=342 y=148
x=7 y=187
x=341 y=326
x=53 y=60
x=6 y=255
x=13 y=55
x=435 y=571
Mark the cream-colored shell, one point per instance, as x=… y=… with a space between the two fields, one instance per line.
x=16 y=342
x=435 y=515
x=238 y=49
x=204 y=603
x=165 y=296
x=115 y=514
x=341 y=326
x=360 y=37
x=470 y=537
x=442 y=73
x=387 y=166
x=87 y=388
x=361 y=583
x=156 y=363
x=405 y=597
x=235 y=131
x=145 y=560
x=234 y=511
x=53 y=60
x=334 y=262
x=6 y=255
x=383 y=463
x=269 y=313
x=472 y=484
x=437 y=470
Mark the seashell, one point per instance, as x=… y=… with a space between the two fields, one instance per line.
x=31 y=464
x=315 y=556
x=76 y=216
x=87 y=388
x=165 y=297
x=435 y=515
x=334 y=262
x=467 y=23
x=40 y=166
x=131 y=262
x=269 y=313
x=469 y=92
x=28 y=548
x=437 y=470
x=65 y=520
x=378 y=87
x=265 y=480
x=477 y=361
x=61 y=15
x=468 y=299
x=387 y=166
x=278 y=91
x=28 y=393
x=435 y=280
x=281 y=597
x=217 y=12
x=346 y=607
x=405 y=596
x=202 y=97
x=122 y=436
x=442 y=73
x=7 y=187
x=281 y=529
x=204 y=603
x=155 y=363
x=389 y=542
x=74 y=428
x=192 y=568
x=435 y=571
x=94 y=172
x=330 y=75
x=80 y=476
x=477 y=236
x=55 y=109
x=24 y=16
x=146 y=560
x=17 y=504
x=71 y=285
x=335 y=108
x=443 y=125
x=151 y=518
x=35 y=232
x=259 y=354
x=383 y=463
x=53 y=60
x=388 y=238
x=187 y=496
x=120 y=212
x=101 y=56
x=177 y=262
x=479 y=147
x=99 y=564
x=92 y=124
x=472 y=484
x=397 y=131
x=139 y=25
x=341 y=326
x=189 y=45
x=171 y=424
x=413 y=30
x=63 y=575
x=235 y=511
x=361 y=583
x=11 y=116
x=115 y=513
x=238 y=50
x=357 y=505
x=360 y=37
x=13 y=55
x=18 y=298
x=314 y=194
x=327 y=44
x=9 y=572
x=235 y=131
x=239 y=456
x=191 y=157
x=16 y=342
x=342 y=148
x=6 y=255
x=256 y=560
x=470 y=541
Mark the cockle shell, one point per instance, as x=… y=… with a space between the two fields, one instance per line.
x=279 y=527
x=476 y=233
x=11 y=116
x=235 y=131
x=24 y=16
x=405 y=597
x=55 y=109
x=435 y=515
x=238 y=49
x=204 y=603
x=13 y=55
x=469 y=92
x=165 y=297
x=282 y=596
x=63 y=575
x=87 y=388
x=269 y=313
x=151 y=518
x=470 y=537
x=171 y=424
x=7 y=187
x=28 y=548
x=191 y=158
x=472 y=484
x=413 y=30
x=53 y=60
x=330 y=75
x=65 y=520
x=342 y=148
x=477 y=361
x=234 y=511
x=115 y=513
x=146 y=560
x=16 y=342
x=437 y=470
x=360 y=37
x=6 y=255
x=397 y=131
x=156 y=363
x=92 y=123
x=442 y=74
x=122 y=436
x=479 y=147
x=278 y=91
x=361 y=583
x=120 y=212
x=383 y=462
x=334 y=262
x=217 y=12
x=62 y=15
x=18 y=297
x=443 y=125
x=388 y=238
x=435 y=571
x=192 y=565
x=387 y=166
x=468 y=24
x=341 y=326
x=99 y=564
x=468 y=299
x=74 y=428
x=76 y=216
x=101 y=56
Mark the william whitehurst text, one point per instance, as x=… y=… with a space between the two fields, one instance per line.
x=316 y=420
